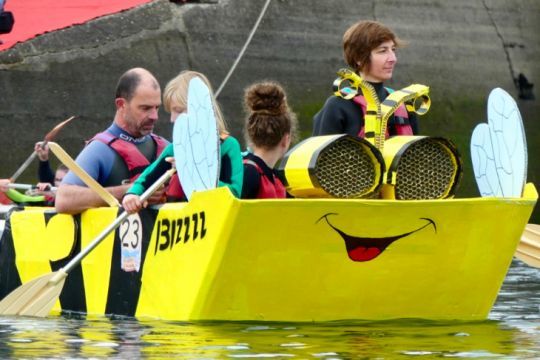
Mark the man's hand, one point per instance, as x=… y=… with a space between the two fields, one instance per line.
x=171 y=160
x=44 y=186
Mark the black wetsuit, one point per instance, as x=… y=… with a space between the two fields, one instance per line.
x=340 y=116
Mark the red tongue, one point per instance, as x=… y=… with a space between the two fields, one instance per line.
x=364 y=254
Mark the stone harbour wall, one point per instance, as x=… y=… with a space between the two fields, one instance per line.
x=462 y=49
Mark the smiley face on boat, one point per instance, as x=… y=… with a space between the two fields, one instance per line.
x=360 y=248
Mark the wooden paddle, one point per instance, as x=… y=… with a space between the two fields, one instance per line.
x=528 y=249
x=67 y=160
x=38 y=296
x=49 y=137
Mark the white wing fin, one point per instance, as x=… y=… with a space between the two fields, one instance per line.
x=483 y=162
x=196 y=141
x=508 y=137
x=499 y=150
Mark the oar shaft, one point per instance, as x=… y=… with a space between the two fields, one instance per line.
x=29 y=187
x=77 y=259
x=23 y=167
x=21 y=186
x=48 y=137
x=72 y=165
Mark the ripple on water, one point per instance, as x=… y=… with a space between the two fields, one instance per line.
x=21 y=340
x=260 y=355
x=512 y=332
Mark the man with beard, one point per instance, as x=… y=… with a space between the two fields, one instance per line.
x=116 y=157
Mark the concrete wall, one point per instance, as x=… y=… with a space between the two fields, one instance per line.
x=461 y=49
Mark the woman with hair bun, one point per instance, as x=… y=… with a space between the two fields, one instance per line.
x=269 y=129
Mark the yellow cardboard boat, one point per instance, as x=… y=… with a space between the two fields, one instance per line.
x=220 y=258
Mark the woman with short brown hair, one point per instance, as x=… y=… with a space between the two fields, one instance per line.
x=369 y=48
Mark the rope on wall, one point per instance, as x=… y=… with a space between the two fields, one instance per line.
x=241 y=54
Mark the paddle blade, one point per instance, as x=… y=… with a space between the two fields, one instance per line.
x=532 y=232
x=49 y=137
x=52 y=134
x=34 y=298
x=528 y=249
x=528 y=259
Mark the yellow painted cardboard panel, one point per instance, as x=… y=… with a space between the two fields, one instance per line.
x=28 y=229
x=59 y=236
x=37 y=243
x=185 y=269
x=303 y=259
x=96 y=267
x=300 y=270
x=278 y=260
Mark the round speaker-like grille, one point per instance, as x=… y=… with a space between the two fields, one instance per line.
x=426 y=170
x=345 y=169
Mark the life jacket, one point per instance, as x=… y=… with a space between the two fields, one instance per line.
x=267 y=189
x=135 y=161
x=175 y=191
x=401 y=123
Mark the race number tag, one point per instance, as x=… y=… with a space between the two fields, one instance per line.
x=130 y=233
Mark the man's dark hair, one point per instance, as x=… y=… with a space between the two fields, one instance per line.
x=127 y=84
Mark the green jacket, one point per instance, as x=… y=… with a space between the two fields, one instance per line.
x=231 y=169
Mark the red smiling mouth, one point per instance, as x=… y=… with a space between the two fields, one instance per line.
x=368 y=248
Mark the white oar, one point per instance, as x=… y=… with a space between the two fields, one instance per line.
x=38 y=296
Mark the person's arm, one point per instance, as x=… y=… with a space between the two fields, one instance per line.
x=45 y=173
x=74 y=199
x=252 y=180
x=232 y=167
x=338 y=116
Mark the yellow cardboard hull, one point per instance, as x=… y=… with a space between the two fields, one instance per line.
x=285 y=260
